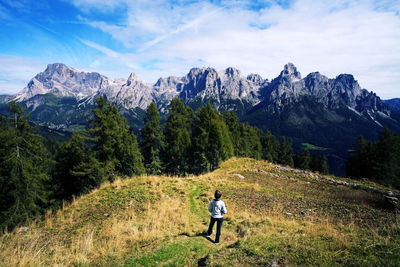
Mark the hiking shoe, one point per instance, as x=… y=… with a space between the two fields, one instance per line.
x=216 y=243
x=208 y=236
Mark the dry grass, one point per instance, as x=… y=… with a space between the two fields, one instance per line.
x=270 y=219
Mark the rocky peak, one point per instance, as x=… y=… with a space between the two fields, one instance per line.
x=134 y=93
x=317 y=84
x=133 y=79
x=61 y=80
x=255 y=78
x=232 y=72
x=290 y=71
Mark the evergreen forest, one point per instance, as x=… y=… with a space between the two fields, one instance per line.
x=37 y=174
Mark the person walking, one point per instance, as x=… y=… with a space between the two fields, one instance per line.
x=218 y=209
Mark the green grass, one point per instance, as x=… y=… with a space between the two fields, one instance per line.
x=179 y=253
x=313 y=147
x=289 y=220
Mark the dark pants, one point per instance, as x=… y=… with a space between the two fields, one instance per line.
x=219 y=224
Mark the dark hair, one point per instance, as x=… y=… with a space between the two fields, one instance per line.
x=217 y=194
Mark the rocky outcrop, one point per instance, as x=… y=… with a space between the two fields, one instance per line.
x=394 y=104
x=134 y=93
x=344 y=90
x=61 y=80
x=206 y=84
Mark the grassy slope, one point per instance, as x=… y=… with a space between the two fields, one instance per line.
x=273 y=217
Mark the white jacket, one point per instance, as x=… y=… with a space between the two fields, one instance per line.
x=217 y=208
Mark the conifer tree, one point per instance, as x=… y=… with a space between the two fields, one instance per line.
x=24 y=171
x=76 y=170
x=270 y=147
x=303 y=161
x=212 y=143
x=378 y=160
x=324 y=169
x=114 y=145
x=232 y=122
x=151 y=140
x=250 y=142
x=285 y=153
x=319 y=164
x=361 y=162
x=177 y=136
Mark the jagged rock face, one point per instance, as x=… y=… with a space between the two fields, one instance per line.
x=344 y=90
x=286 y=87
x=166 y=89
x=394 y=104
x=134 y=93
x=62 y=81
x=205 y=83
x=256 y=79
x=234 y=85
x=229 y=84
x=201 y=83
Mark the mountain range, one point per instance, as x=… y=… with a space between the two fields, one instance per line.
x=321 y=113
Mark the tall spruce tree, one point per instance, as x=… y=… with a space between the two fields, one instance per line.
x=24 y=171
x=379 y=161
x=319 y=163
x=177 y=138
x=270 y=147
x=232 y=122
x=151 y=140
x=212 y=143
x=77 y=171
x=303 y=160
x=250 y=142
x=114 y=145
x=285 y=153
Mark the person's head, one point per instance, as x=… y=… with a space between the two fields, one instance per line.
x=217 y=194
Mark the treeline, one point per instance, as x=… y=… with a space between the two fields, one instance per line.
x=378 y=161
x=33 y=180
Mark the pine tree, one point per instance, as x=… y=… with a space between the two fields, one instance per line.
x=115 y=146
x=24 y=171
x=232 y=122
x=151 y=140
x=212 y=143
x=303 y=161
x=361 y=162
x=285 y=153
x=270 y=147
x=177 y=136
x=250 y=142
x=324 y=169
x=319 y=164
x=76 y=171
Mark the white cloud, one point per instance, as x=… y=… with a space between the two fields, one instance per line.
x=103 y=49
x=15 y=72
x=358 y=37
x=333 y=37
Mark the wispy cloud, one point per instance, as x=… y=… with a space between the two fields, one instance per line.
x=161 y=38
x=358 y=37
x=100 y=48
x=16 y=71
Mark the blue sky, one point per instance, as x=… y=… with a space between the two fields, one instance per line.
x=162 y=38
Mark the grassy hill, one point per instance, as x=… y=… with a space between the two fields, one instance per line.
x=274 y=215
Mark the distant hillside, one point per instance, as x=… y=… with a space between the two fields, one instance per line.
x=393 y=103
x=275 y=215
x=316 y=110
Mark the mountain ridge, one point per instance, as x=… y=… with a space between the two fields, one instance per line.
x=322 y=111
x=205 y=83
